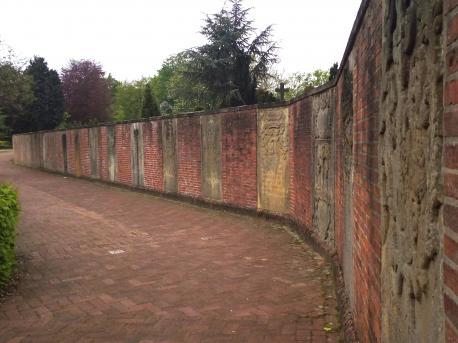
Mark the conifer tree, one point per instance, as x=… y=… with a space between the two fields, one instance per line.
x=149 y=108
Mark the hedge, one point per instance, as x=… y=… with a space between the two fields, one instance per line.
x=9 y=211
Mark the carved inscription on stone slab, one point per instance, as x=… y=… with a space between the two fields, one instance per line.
x=273 y=164
x=137 y=153
x=170 y=158
x=323 y=214
x=211 y=157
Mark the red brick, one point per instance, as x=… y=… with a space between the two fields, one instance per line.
x=152 y=150
x=451 y=335
x=238 y=160
x=452 y=30
x=451 y=92
x=451 y=185
x=451 y=123
x=301 y=177
x=451 y=278
x=451 y=156
x=451 y=310
x=189 y=156
x=451 y=249
x=123 y=154
x=84 y=152
x=169 y=282
x=452 y=60
x=451 y=217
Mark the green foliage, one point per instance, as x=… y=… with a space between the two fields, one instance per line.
x=296 y=84
x=175 y=91
x=46 y=111
x=5 y=145
x=4 y=129
x=128 y=100
x=299 y=83
x=149 y=108
x=265 y=96
x=9 y=211
x=15 y=96
x=235 y=59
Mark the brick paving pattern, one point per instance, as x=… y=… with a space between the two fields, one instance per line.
x=101 y=264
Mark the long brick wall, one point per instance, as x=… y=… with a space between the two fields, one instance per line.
x=321 y=162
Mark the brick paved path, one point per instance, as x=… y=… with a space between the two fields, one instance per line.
x=187 y=274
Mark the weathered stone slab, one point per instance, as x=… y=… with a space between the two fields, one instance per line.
x=111 y=153
x=169 y=139
x=64 y=152
x=94 y=151
x=323 y=214
x=138 y=173
x=273 y=163
x=211 y=157
x=77 y=152
x=410 y=168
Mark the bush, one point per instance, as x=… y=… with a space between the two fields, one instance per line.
x=5 y=145
x=9 y=211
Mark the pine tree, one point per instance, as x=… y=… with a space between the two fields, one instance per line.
x=149 y=108
x=236 y=57
x=47 y=109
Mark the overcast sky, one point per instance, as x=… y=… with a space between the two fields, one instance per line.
x=132 y=38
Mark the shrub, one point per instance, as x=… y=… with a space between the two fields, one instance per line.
x=5 y=145
x=9 y=211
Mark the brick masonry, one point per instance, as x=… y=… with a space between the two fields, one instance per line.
x=329 y=177
x=366 y=196
x=123 y=154
x=189 y=156
x=239 y=159
x=152 y=149
x=300 y=156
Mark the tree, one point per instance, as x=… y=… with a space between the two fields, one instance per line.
x=15 y=95
x=235 y=59
x=127 y=103
x=87 y=92
x=149 y=108
x=333 y=71
x=179 y=93
x=296 y=84
x=46 y=111
x=128 y=99
x=299 y=83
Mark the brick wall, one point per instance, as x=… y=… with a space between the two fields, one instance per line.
x=152 y=149
x=366 y=194
x=189 y=157
x=450 y=171
x=238 y=160
x=300 y=156
x=123 y=154
x=84 y=152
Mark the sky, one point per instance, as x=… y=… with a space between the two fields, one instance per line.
x=132 y=38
